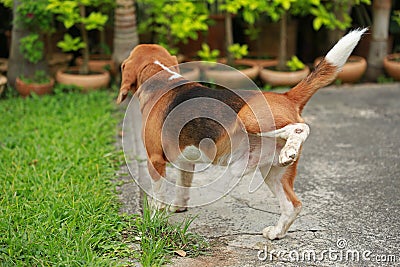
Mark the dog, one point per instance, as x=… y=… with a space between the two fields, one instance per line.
x=279 y=131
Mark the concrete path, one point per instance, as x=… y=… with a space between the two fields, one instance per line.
x=348 y=181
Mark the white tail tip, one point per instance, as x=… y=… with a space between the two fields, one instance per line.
x=339 y=54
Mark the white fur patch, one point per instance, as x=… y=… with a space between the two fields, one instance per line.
x=174 y=74
x=341 y=51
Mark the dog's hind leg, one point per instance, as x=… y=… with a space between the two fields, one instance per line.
x=280 y=180
x=182 y=187
x=295 y=135
x=157 y=170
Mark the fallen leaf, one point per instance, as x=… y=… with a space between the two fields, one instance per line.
x=180 y=253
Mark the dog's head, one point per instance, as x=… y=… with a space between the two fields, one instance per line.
x=139 y=67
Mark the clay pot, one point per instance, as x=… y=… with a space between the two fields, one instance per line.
x=71 y=76
x=233 y=79
x=3 y=65
x=25 y=89
x=98 y=63
x=3 y=83
x=283 y=78
x=391 y=63
x=352 y=70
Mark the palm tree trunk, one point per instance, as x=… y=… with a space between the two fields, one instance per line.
x=282 y=57
x=380 y=31
x=125 y=30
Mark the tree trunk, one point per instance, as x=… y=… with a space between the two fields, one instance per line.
x=229 y=38
x=17 y=64
x=125 y=30
x=380 y=31
x=282 y=57
x=84 y=69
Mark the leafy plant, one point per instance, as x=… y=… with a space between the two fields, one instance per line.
x=39 y=77
x=333 y=14
x=74 y=13
x=396 y=17
x=238 y=51
x=32 y=48
x=295 y=64
x=35 y=16
x=7 y=3
x=206 y=54
x=173 y=21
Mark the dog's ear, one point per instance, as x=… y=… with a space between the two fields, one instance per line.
x=129 y=78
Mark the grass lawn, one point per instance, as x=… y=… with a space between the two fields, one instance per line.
x=58 y=206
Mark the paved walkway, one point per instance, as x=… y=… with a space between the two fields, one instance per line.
x=348 y=181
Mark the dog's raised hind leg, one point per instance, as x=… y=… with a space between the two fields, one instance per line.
x=295 y=135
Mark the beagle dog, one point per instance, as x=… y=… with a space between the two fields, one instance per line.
x=264 y=130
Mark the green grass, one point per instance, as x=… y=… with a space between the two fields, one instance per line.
x=159 y=239
x=58 y=206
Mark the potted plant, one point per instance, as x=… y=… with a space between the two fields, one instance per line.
x=31 y=21
x=228 y=77
x=100 y=54
x=40 y=82
x=74 y=13
x=31 y=47
x=296 y=71
x=391 y=62
x=278 y=74
x=335 y=17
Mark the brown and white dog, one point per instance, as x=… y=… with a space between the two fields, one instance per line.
x=268 y=116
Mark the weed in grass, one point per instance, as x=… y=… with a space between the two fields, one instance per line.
x=159 y=239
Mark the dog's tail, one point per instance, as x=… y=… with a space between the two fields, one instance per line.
x=326 y=71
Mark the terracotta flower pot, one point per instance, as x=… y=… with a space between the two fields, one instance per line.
x=352 y=71
x=283 y=78
x=71 y=76
x=391 y=63
x=98 y=63
x=3 y=83
x=3 y=65
x=25 y=89
x=234 y=79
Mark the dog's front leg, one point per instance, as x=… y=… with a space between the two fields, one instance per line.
x=280 y=181
x=182 y=187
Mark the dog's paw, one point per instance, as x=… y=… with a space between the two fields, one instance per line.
x=176 y=209
x=178 y=205
x=272 y=233
x=288 y=155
